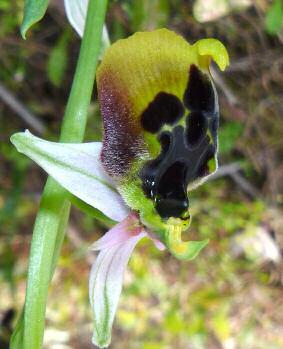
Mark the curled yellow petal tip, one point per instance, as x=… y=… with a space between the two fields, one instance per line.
x=215 y=49
x=183 y=250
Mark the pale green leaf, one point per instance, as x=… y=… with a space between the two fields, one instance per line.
x=34 y=10
x=58 y=60
x=274 y=17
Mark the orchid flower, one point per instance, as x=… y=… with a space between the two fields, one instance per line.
x=160 y=117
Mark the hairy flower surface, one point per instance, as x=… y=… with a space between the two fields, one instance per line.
x=160 y=117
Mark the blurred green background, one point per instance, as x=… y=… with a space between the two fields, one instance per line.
x=231 y=296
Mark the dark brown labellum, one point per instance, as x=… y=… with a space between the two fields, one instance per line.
x=185 y=152
x=164 y=109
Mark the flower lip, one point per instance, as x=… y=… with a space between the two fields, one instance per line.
x=165 y=109
x=160 y=112
x=200 y=94
x=165 y=179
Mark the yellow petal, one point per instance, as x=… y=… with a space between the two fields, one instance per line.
x=215 y=49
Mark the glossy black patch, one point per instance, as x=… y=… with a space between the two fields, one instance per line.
x=213 y=127
x=199 y=94
x=166 y=178
x=196 y=128
x=214 y=124
x=203 y=168
x=196 y=159
x=164 y=109
x=149 y=173
x=172 y=200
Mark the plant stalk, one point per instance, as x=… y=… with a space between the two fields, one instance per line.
x=53 y=214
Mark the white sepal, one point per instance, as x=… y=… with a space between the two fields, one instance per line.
x=105 y=285
x=78 y=169
x=76 y=11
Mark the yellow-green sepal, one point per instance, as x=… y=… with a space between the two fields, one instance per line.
x=188 y=250
x=183 y=250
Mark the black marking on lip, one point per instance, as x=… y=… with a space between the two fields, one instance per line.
x=166 y=108
x=197 y=125
x=203 y=169
x=150 y=171
x=185 y=153
x=165 y=179
x=171 y=199
x=199 y=94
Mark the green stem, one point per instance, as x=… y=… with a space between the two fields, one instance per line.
x=81 y=91
x=53 y=214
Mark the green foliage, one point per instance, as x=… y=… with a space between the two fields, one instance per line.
x=152 y=345
x=34 y=10
x=58 y=60
x=229 y=135
x=174 y=322
x=9 y=211
x=220 y=323
x=148 y=14
x=274 y=18
x=10 y=16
